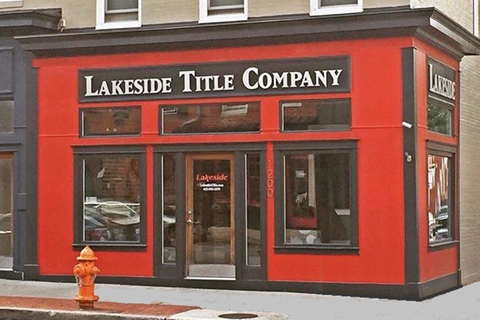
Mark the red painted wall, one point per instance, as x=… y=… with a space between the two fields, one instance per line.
x=376 y=124
x=439 y=262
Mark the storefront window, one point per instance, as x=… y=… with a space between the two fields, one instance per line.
x=6 y=116
x=6 y=212
x=112 y=198
x=440 y=204
x=221 y=118
x=316 y=115
x=317 y=199
x=439 y=119
x=253 y=210
x=111 y=121
x=169 y=209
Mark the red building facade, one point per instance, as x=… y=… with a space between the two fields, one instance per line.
x=323 y=165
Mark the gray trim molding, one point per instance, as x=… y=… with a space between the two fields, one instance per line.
x=412 y=262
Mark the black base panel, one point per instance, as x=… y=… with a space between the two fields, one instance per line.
x=11 y=275
x=412 y=291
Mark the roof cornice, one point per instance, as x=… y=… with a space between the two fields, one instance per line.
x=21 y=22
x=428 y=24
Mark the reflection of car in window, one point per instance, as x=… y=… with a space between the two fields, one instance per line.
x=112 y=221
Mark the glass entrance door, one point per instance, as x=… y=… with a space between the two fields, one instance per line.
x=210 y=224
x=6 y=211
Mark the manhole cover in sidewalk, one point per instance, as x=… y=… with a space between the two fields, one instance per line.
x=238 y=316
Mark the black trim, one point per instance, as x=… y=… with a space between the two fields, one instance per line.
x=232 y=147
x=415 y=291
x=80 y=153
x=440 y=245
x=321 y=147
x=11 y=275
x=428 y=24
x=411 y=254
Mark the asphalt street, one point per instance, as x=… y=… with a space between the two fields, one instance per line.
x=462 y=304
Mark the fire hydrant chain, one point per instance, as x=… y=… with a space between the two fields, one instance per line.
x=80 y=283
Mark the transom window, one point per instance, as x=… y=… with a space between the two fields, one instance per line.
x=223 y=10
x=118 y=14
x=324 y=7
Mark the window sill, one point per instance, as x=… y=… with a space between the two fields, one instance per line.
x=300 y=249
x=118 y=25
x=336 y=10
x=111 y=246
x=442 y=245
x=223 y=18
x=11 y=3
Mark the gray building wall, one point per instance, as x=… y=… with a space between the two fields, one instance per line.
x=82 y=14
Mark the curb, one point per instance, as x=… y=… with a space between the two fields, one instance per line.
x=199 y=314
x=43 y=314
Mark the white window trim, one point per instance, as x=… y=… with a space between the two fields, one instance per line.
x=205 y=18
x=315 y=10
x=102 y=25
x=476 y=17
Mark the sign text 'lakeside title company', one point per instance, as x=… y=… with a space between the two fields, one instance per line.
x=312 y=75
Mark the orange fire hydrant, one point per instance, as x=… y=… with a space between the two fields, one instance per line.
x=85 y=273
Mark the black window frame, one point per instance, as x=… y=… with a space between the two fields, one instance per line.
x=339 y=128
x=161 y=118
x=81 y=123
x=321 y=147
x=449 y=151
x=80 y=153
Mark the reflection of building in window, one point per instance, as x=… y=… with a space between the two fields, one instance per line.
x=439 y=197
x=211 y=118
x=112 y=198
x=317 y=198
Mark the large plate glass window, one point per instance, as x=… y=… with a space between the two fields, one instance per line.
x=169 y=220
x=319 y=196
x=440 y=196
x=253 y=209
x=6 y=116
x=6 y=211
x=111 y=190
x=313 y=115
x=323 y=7
x=110 y=121
x=216 y=118
x=118 y=13
x=223 y=10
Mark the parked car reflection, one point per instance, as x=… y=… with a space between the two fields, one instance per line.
x=112 y=221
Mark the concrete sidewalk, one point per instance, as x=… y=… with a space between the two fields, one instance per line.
x=462 y=304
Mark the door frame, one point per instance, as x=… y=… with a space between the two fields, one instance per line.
x=177 y=271
x=189 y=210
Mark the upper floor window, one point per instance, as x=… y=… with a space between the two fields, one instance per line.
x=324 y=7
x=118 y=14
x=223 y=10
